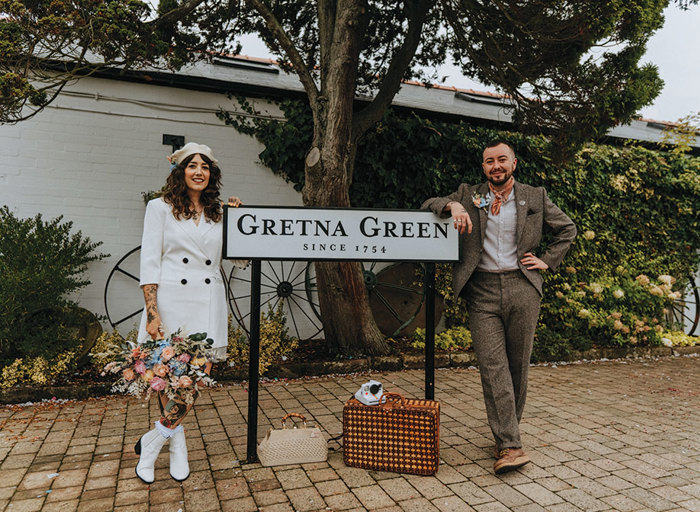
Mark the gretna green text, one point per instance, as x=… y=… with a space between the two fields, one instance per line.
x=248 y=224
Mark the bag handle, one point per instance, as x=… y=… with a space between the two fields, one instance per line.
x=293 y=415
x=394 y=397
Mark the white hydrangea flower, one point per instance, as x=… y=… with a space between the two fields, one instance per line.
x=595 y=288
x=618 y=294
x=655 y=290
x=666 y=279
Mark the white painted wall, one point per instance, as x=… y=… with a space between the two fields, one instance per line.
x=92 y=153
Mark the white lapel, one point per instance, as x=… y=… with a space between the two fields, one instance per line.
x=210 y=238
x=192 y=231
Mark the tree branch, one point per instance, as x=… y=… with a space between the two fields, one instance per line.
x=302 y=70
x=326 y=26
x=417 y=11
x=172 y=15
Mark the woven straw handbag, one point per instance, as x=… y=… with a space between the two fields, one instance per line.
x=293 y=445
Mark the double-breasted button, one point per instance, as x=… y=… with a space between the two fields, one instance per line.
x=185 y=260
x=184 y=281
x=207 y=280
x=208 y=262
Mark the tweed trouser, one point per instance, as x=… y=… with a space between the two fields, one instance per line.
x=503 y=312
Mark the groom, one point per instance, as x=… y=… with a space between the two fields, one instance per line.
x=500 y=277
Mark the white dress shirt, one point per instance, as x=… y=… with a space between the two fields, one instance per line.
x=500 y=252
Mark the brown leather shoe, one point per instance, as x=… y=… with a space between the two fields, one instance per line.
x=510 y=459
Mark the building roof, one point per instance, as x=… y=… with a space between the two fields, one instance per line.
x=260 y=77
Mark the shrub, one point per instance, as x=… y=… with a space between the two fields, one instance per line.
x=679 y=339
x=103 y=351
x=41 y=264
x=38 y=371
x=455 y=338
x=275 y=342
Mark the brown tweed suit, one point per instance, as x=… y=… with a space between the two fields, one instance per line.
x=503 y=308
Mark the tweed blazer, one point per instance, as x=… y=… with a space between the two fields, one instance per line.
x=536 y=215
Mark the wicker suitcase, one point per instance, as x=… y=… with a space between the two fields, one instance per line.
x=400 y=435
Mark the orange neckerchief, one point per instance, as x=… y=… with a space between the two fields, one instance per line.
x=500 y=197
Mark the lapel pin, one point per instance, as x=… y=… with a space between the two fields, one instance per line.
x=521 y=203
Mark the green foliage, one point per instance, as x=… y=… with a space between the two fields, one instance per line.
x=679 y=339
x=36 y=371
x=276 y=344
x=102 y=351
x=683 y=134
x=89 y=35
x=41 y=265
x=152 y=194
x=635 y=209
x=455 y=338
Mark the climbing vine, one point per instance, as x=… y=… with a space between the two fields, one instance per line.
x=636 y=211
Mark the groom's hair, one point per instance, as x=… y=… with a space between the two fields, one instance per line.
x=496 y=142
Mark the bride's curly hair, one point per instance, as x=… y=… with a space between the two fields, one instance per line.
x=175 y=192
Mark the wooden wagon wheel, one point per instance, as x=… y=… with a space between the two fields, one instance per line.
x=684 y=313
x=394 y=295
x=123 y=297
x=292 y=283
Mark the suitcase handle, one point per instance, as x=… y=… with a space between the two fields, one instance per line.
x=395 y=397
x=293 y=415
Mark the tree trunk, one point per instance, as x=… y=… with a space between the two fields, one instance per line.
x=348 y=323
x=347 y=319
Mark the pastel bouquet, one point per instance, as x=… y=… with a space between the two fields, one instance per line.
x=174 y=365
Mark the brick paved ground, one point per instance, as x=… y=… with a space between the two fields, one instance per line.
x=602 y=436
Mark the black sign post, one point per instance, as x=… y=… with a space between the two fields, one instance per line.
x=254 y=362
x=429 y=331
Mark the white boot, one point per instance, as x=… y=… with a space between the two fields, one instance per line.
x=179 y=467
x=148 y=447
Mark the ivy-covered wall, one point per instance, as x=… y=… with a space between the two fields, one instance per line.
x=636 y=211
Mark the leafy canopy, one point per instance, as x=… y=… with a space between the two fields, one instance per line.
x=570 y=67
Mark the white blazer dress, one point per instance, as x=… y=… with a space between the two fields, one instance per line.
x=183 y=259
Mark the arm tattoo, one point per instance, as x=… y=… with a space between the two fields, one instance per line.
x=172 y=410
x=150 y=292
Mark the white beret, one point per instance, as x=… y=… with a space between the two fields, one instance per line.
x=192 y=148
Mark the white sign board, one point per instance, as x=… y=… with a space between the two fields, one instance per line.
x=281 y=233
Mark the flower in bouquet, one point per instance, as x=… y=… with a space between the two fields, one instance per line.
x=160 y=369
x=158 y=384
x=177 y=368
x=167 y=353
x=199 y=360
x=174 y=366
x=140 y=367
